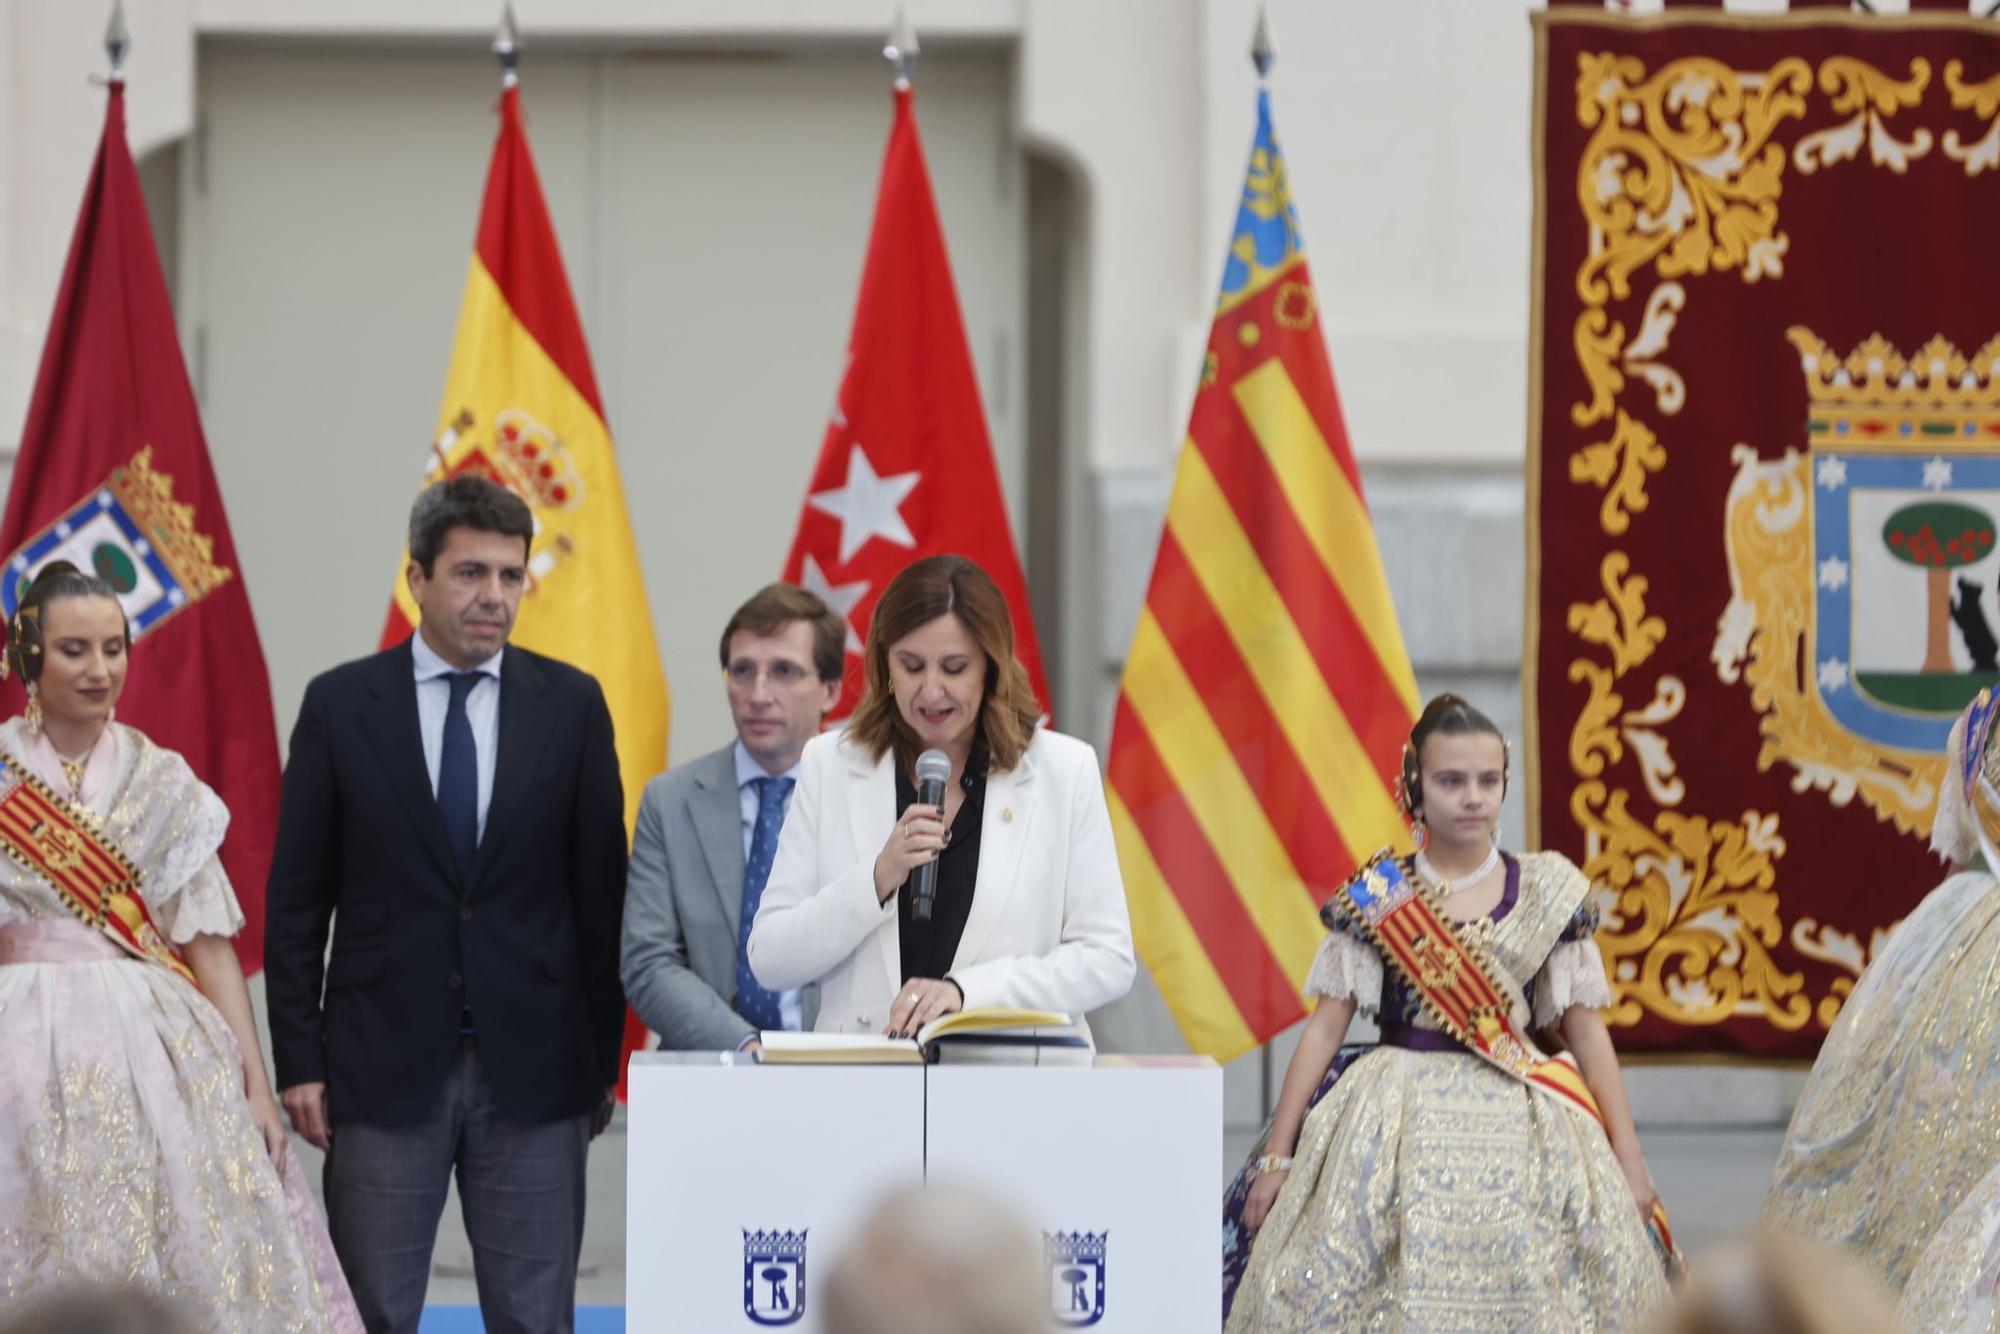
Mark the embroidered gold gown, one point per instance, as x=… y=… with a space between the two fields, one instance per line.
x=1900 y=1118
x=127 y=1152
x=1431 y=1191
x=1956 y=1284
x=1899 y=1123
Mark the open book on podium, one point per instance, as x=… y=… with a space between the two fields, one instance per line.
x=993 y=1034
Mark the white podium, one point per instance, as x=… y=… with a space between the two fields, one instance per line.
x=744 y=1182
x=719 y=1154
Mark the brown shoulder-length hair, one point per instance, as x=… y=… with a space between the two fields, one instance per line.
x=930 y=588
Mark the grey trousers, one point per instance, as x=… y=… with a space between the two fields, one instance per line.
x=521 y=1188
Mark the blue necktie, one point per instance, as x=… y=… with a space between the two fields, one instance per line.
x=753 y=1002
x=458 y=777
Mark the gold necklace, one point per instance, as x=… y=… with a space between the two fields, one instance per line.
x=72 y=769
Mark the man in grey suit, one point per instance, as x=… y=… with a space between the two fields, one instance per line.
x=708 y=830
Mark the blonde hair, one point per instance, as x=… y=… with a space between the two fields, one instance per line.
x=947 y=586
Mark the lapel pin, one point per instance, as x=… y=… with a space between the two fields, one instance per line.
x=1006 y=815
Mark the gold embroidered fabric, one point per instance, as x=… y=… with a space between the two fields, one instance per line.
x=1956 y=1286
x=1432 y=1192
x=1900 y=1119
x=127 y=1152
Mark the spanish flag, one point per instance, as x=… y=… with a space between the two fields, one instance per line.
x=1267 y=694
x=521 y=406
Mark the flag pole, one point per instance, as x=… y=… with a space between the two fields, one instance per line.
x=902 y=50
x=507 y=48
x=117 y=41
x=1263 y=54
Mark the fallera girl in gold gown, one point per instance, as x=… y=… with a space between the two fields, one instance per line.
x=1429 y=1189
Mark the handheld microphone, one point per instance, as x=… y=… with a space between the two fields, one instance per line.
x=933 y=772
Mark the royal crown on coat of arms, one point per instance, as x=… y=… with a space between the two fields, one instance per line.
x=134 y=535
x=528 y=459
x=522 y=455
x=1865 y=571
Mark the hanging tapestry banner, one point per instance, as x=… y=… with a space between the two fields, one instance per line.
x=1763 y=491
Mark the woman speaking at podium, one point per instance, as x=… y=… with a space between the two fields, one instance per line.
x=1027 y=908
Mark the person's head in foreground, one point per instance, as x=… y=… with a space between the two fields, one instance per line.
x=1776 y=1283
x=938 y=1260
x=95 y=1310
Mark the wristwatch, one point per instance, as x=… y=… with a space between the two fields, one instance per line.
x=1270 y=1162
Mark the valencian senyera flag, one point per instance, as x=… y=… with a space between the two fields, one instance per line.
x=113 y=475
x=521 y=406
x=1764 y=489
x=1267 y=695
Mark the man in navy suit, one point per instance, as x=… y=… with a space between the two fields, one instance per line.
x=453 y=805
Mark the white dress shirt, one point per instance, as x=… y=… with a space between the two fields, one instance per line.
x=482 y=711
x=791 y=1004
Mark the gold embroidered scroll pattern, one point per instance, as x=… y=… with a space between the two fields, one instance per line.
x=1680 y=170
x=1870 y=96
x=1618 y=620
x=1619 y=467
x=1681 y=176
x=1696 y=914
x=1981 y=99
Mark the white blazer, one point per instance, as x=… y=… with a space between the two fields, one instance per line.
x=1048 y=927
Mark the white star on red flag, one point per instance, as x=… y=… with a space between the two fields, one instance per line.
x=840 y=597
x=906 y=411
x=867 y=505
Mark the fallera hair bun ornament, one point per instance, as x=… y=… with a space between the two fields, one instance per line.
x=24 y=643
x=1409 y=785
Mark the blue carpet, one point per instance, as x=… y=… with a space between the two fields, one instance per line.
x=465 y=1320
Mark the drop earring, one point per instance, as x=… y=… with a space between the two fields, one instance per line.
x=33 y=713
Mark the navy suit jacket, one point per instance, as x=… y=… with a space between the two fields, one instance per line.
x=529 y=941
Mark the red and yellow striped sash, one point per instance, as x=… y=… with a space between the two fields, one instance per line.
x=97 y=882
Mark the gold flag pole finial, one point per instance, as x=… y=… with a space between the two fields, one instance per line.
x=507 y=48
x=902 y=50
x=117 y=40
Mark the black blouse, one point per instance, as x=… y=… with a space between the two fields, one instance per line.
x=929 y=947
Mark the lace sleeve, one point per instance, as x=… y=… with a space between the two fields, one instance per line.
x=204 y=906
x=1574 y=972
x=192 y=895
x=1346 y=968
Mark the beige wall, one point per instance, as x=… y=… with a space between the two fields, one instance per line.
x=713 y=212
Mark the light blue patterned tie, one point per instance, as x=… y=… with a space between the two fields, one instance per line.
x=753 y=1002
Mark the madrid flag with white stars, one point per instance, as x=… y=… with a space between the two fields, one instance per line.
x=906 y=469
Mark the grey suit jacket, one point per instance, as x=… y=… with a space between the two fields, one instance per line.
x=683 y=906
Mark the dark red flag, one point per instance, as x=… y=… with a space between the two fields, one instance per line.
x=113 y=474
x=906 y=469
